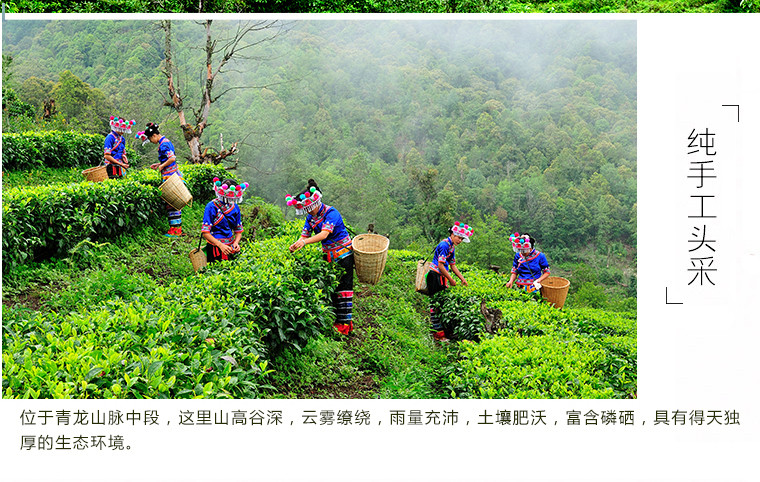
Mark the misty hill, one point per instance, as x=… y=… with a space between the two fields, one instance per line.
x=511 y=126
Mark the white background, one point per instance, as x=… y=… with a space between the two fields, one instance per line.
x=701 y=355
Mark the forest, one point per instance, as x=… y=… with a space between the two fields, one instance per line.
x=389 y=6
x=408 y=127
x=525 y=126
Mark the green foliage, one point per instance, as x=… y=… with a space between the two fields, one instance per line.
x=388 y=6
x=448 y=130
x=127 y=338
x=80 y=104
x=42 y=221
x=41 y=176
x=591 y=295
x=530 y=367
x=52 y=149
x=13 y=107
x=547 y=353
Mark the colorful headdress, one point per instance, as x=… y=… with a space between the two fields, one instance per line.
x=229 y=193
x=462 y=230
x=141 y=135
x=120 y=125
x=520 y=241
x=307 y=199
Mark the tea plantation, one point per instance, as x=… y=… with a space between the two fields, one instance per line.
x=97 y=303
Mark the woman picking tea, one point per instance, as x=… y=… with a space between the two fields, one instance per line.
x=222 y=224
x=327 y=225
x=529 y=266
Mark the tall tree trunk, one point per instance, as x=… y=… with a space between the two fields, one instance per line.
x=175 y=95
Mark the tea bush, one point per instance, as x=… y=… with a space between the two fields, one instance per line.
x=208 y=335
x=539 y=351
x=530 y=367
x=54 y=149
x=42 y=221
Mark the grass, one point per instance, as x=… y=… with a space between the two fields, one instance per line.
x=390 y=354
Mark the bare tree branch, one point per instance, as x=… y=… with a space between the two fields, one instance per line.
x=219 y=54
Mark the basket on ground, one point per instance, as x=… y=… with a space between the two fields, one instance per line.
x=198 y=258
x=174 y=192
x=370 y=253
x=95 y=174
x=554 y=290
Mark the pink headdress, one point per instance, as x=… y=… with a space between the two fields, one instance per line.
x=120 y=125
x=141 y=135
x=462 y=230
x=520 y=242
x=306 y=200
x=229 y=194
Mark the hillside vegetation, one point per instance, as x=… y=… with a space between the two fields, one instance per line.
x=126 y=317
x=510 y=126
x=429 y=6
x=410 y=126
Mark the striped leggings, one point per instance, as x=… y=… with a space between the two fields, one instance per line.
x=343 y=298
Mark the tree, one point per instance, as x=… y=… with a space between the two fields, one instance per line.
x=36 y=91
x=81 y=105
x=219 y=56
x=12 y=105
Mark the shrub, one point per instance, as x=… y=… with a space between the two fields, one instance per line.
x=53 y=149
x=530 y=367
x=208 y=335
x=43 y=221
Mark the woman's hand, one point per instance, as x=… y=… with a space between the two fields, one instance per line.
x=465 y=283
x=154 y=165
x=297 y=245
x=226 y=250
x=235 y=247
x=453 y=283
x=509 y=284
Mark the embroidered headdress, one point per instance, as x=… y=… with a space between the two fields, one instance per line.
x=228 y=192
x=120 y=125
x=141 y=135
x=307 y=200
x=520 y=242
x=462 y=230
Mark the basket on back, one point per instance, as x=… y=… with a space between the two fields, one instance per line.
x=95 y=174
x=370 y=254
x=554 y=290
x=174 y=192
x=420 y=278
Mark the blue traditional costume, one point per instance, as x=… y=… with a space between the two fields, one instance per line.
x=336 y=246
x=166 y=153
x=436 y=281
x=115 y=144
x=222 y=219
x=528 y=264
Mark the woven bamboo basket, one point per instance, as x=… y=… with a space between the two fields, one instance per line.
x=95 y=174
x=420 y=278
x=174 y=192
x=198 y=258
x=554 y=290
x=370 y=253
